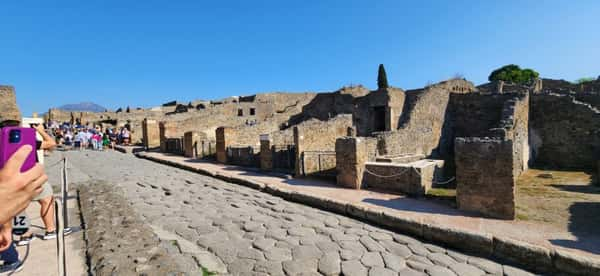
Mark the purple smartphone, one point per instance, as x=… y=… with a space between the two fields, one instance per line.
x=12 y=139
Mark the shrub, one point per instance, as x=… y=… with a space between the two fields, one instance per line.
x=513 y=73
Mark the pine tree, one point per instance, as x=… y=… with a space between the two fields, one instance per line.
x=382 y=78
x=128 y=110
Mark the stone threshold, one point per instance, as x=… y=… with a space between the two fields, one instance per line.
x=534 y=257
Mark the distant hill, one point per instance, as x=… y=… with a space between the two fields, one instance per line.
x=86 y=106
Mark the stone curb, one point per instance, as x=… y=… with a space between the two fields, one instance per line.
x=532 y=257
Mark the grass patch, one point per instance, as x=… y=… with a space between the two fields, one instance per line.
x=443 y=195
x=558 y=198
x=205 y=272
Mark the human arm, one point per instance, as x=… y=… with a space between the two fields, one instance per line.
x=5 y=235
x=18 y=189
x=47 y=141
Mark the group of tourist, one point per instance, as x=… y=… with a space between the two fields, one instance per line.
x=84 y=137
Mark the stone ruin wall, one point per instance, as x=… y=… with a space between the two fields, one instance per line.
x=325 y=106
x=8 y=104
x=367 y=111
x=315 y=145
x=271 y=111
x=422 y=126
x=565 y=133
x=487 y=166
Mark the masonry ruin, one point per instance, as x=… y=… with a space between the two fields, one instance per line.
x=478 y=139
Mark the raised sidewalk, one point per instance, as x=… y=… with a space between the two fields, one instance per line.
x=523 y=243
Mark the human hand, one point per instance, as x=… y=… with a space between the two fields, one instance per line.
x=18 y=189
x=39 y=128
x=5 y=237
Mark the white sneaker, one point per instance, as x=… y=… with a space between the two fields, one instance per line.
x=25 y=240
x=12 y=268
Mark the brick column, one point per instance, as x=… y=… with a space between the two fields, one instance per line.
x=224 y=137
x=351 y=155
x=150 y=134
x=162 y=136
x=485 y=176
x=266 y=155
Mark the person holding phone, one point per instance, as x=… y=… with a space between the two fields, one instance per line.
x=17 y=189
x=46 y=197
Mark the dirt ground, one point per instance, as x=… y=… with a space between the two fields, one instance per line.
x=565 y=199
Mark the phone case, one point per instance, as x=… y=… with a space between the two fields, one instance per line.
x=7 y=149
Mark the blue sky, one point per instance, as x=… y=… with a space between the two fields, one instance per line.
x=144 y=53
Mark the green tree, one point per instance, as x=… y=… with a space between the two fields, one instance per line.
x=584 y=80
x=513 y=73
x=128 y=110
x=382 y=78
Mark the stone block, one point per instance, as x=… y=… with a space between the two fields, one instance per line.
x=351 y=155
x=476 y=243
x=485 y=176
x=575 y=264
x=533 y=257
x=405 y=225
x=414 y=178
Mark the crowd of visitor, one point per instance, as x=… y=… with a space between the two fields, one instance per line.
x=94 y=137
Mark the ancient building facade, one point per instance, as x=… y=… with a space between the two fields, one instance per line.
x=448 y=134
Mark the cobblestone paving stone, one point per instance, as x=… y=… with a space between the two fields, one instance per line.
x=254 y=233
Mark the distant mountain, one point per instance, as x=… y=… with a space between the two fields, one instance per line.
x=86 y=106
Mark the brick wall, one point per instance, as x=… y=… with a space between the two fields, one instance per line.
x=315 y=145
x=8 y=104
x=565 y=132
x=485 y=176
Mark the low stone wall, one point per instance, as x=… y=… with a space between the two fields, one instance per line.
x=414 y=178
x=315 y=144
x=485 y=176
x=243 y=156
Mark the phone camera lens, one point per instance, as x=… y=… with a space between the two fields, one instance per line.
x=14 y=136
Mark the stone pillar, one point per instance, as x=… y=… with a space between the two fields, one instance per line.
x=298 y=138
x=150 y=134
x=191 y=140
x=485 y=176
x=162 y=136
x=266 y=155
x=224 y=137
x=537 y=87
x=500 y=87
x=350 y=155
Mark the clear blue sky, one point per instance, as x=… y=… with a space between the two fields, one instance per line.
x=144 y=53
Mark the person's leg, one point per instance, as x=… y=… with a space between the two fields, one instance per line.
x=47 y=213
x=10 y=255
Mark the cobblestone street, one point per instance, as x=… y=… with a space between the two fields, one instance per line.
x=230 y=229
